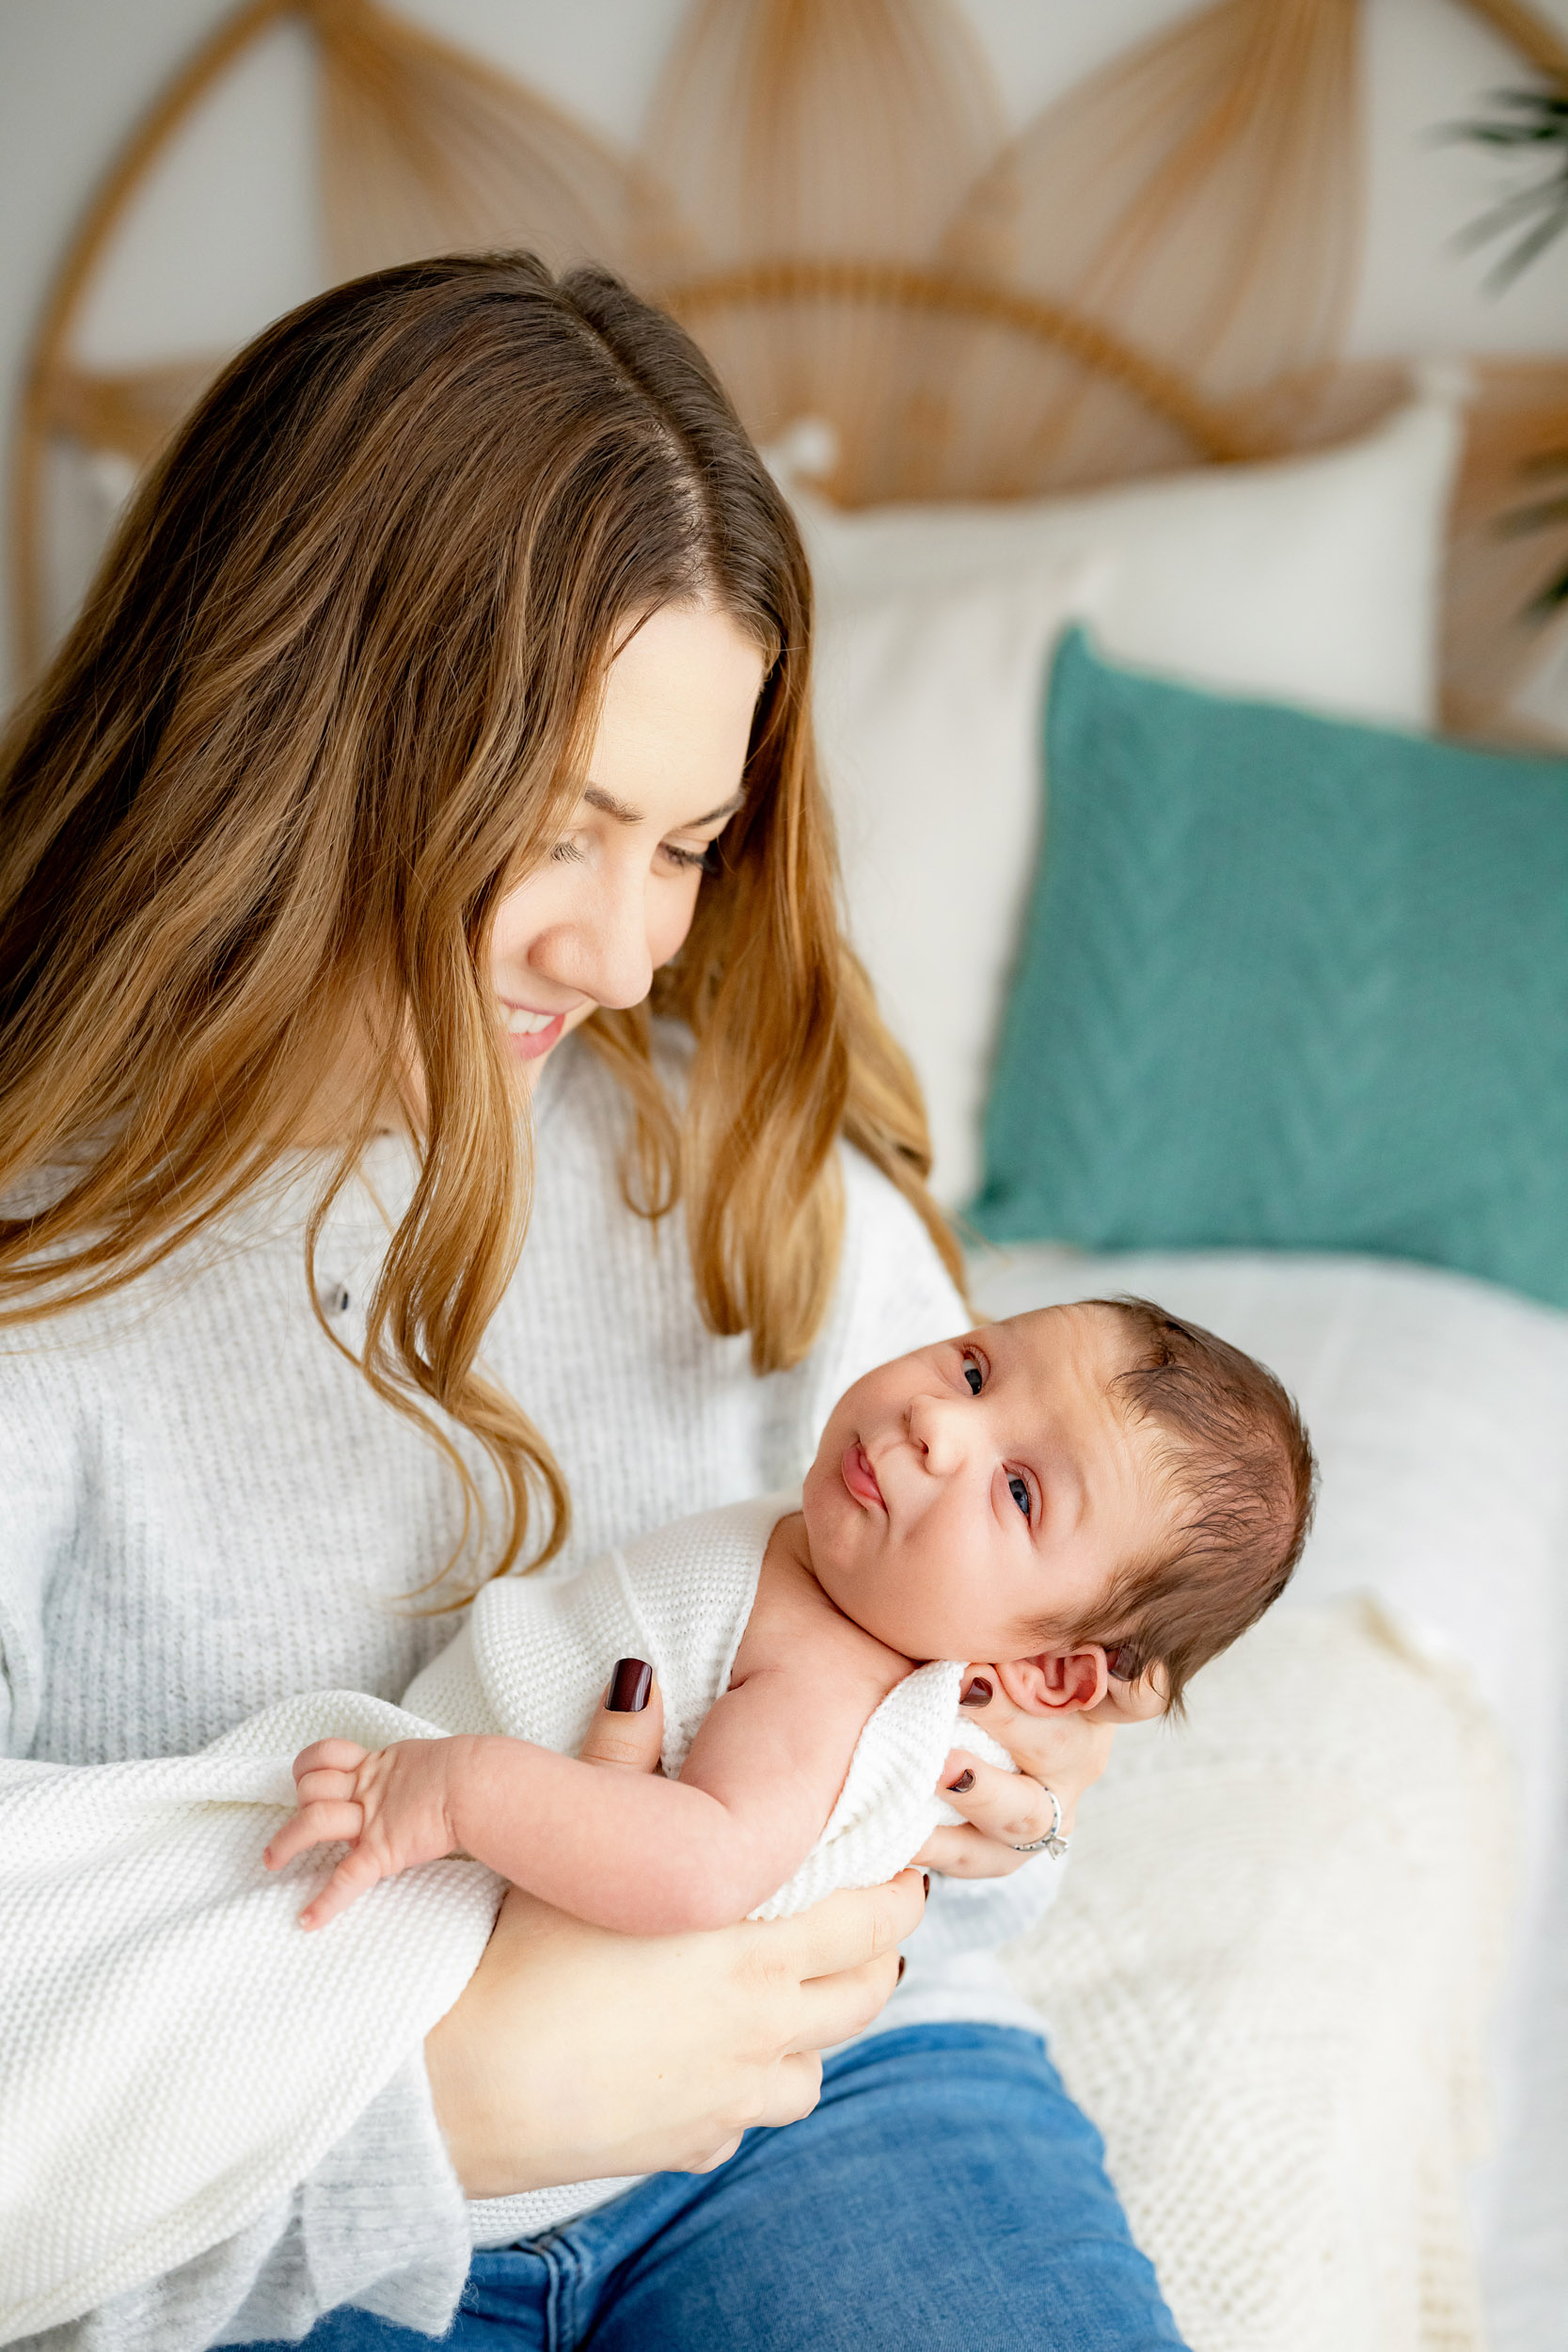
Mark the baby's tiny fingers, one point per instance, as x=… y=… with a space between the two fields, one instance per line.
x=322 y=1786
x=356 y=1872
x=333 y=1755
x=314 y=1825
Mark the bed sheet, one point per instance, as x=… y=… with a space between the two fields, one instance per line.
x=1439 y=1410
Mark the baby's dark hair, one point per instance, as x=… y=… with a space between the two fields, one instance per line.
x=1238 y=1469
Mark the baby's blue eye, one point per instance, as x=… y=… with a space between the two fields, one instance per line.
x=1018 y=1489
x=972 y=1373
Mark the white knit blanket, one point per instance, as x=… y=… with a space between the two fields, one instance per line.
x=536 y=1653
x=1268 y=1980
x=192 y=1932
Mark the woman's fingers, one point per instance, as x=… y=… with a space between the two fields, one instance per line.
x=841 y=1958
x=722 y=2156
x=833 y=2008
x=847 y=1930
x=314 y=1825
x=1065 y=1747
x=627 y=1731
x=964 y=1853
x=794 y=2089
x=1011 y=1807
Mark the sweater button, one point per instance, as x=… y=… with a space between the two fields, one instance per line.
x=332 y=1297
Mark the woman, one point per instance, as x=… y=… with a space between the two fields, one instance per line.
x=445 y=692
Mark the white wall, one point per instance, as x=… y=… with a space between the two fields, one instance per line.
x=225 y=238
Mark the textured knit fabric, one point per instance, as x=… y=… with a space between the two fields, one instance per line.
x=533 y=1659
x=533 y=1662
x=1269 y=1981
x=205 y=1512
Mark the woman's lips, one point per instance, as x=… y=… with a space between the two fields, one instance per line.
x=860 y=1478
x=529 y=1045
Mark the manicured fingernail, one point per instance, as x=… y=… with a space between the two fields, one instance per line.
x=926 y=1876
x=629 y=1686
x=903 y=1963
x=977 y=1694
x=965 y=1780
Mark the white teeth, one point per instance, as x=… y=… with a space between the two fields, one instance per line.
x=524 y=1024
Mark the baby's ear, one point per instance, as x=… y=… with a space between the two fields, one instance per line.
x=1057 y=1681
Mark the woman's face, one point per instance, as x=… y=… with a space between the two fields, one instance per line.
x=616 y=895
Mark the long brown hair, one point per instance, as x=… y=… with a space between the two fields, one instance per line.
x=327 y=699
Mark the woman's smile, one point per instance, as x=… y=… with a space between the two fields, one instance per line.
x=531 y=1034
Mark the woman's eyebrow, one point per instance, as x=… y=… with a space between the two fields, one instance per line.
x=608 y=805
x=623 y=814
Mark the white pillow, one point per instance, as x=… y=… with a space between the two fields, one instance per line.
x=1312 y=579
x=928 y=708
x=1316 y=580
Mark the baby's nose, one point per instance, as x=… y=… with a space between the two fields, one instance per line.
x=938 y=1430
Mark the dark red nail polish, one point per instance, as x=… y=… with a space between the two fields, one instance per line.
x=629 y=1686
x=903 y=1963
x=927 y=1877
x=964 y=1781
x=977 y=1694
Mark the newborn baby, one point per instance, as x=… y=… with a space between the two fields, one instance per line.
x=1091 y=1499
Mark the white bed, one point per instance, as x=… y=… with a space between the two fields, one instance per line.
x=1439 y=1410
x=1439 y=1405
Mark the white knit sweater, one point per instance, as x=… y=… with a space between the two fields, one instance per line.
x=204 y=1511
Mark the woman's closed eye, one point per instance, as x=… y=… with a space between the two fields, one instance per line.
x=699 y=860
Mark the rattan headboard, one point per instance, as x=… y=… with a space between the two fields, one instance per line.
x=1154 y=273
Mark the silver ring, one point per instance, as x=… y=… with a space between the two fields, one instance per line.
x=1053 y=1843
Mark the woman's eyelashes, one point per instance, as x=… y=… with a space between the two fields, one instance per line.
x=569 y=850
x=704 y=861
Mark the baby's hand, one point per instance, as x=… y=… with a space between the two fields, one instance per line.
x=390 y=1804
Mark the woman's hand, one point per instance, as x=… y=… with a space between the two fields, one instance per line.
x=1065 y=1752
x=575 y=2054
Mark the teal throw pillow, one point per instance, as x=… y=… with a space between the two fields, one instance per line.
x=1286 y=982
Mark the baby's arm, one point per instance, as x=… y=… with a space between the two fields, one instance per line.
x=633 y=1852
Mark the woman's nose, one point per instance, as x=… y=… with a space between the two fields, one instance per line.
x=599 y=944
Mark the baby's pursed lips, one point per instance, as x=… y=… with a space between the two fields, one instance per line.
x=860 y=1478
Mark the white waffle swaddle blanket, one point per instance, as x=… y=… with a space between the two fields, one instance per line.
x=536 y=1653
x=189 y=1931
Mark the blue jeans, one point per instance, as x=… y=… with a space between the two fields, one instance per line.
x=945 y=2196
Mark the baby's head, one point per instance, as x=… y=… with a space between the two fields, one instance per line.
x=1090 y=1497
